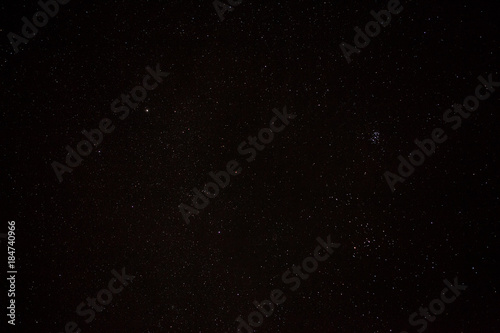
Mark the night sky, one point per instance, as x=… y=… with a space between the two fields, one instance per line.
x=322 y=175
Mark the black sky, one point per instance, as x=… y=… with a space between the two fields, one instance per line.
x=322 y=175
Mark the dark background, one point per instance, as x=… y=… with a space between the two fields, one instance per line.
x=322 y=175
